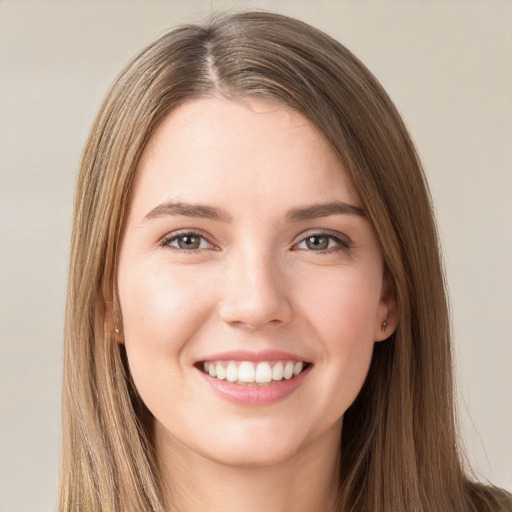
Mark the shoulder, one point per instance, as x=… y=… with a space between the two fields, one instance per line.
x=501 y=498
x=487 y=498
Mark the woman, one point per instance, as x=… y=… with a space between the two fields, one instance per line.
x=256 y=311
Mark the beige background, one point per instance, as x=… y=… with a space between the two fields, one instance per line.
x=446 y=64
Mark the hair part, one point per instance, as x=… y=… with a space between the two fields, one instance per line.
x=399 y=442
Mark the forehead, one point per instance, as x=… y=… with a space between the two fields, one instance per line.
x=248 y=153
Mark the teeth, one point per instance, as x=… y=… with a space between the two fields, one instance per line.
x=277 y=371
x=221 y=371
x=232 y=372
x=247 y=372
x=263 y=373
x=288 y=370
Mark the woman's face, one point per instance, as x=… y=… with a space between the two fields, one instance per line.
x=250 y=284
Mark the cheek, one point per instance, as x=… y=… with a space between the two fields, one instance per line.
x=341 y=312
x=342 y=305
x=160 y=303
x=161 y=313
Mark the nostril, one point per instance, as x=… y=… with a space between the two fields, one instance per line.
x=254 y=303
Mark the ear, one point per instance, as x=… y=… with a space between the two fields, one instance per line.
x=387 y=315
x=113 y=322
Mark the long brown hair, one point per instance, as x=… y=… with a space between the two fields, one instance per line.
x=399 y=443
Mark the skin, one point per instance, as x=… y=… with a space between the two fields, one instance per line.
x=252 y=284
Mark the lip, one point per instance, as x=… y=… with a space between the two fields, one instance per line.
x=262 y=355
x=254 y=395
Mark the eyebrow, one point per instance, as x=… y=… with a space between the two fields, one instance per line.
x=324 y=210
x=294 y=215
x=189 y=210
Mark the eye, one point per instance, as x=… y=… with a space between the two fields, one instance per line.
x=186 y=241
x=323 y=243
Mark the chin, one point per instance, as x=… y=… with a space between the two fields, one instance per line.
x=258 y=444
x=250 y=456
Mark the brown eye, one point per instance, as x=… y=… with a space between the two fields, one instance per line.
x=323 y=243
x=188 y=241
x=317 y=242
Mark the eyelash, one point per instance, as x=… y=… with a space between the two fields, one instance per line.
x=172 y=237
x=341 y=244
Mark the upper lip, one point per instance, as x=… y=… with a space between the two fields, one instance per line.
x=255 y=356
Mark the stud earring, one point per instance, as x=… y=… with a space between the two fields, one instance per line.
x=116 y=330
x=384 y=325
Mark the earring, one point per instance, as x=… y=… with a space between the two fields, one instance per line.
x=384 y=325
x=116 y=330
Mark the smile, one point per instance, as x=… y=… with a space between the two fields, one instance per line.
x=250 y=372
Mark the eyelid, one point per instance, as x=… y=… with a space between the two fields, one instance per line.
x=166 y=240
x=344 y=241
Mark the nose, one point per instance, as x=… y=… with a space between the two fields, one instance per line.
x=255 y=293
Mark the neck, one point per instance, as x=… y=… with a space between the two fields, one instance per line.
x=305 y=482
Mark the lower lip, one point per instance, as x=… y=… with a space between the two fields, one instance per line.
x=247 y=394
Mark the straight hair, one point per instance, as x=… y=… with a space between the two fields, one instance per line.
x=399 y=447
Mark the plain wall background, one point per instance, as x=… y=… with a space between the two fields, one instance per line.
x=446 y=64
